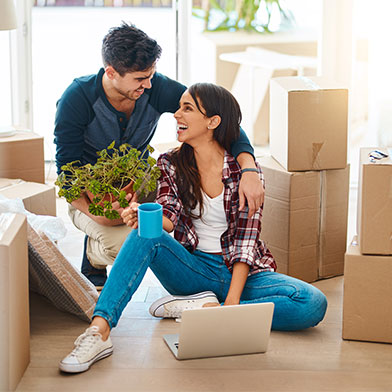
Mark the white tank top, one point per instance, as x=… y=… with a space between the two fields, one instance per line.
x=212 y=224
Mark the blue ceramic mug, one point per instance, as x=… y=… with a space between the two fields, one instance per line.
x=149 y=217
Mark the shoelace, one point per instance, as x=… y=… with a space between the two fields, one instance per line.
x=84 y=342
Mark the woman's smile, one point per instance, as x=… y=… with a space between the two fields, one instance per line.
x=181 y=128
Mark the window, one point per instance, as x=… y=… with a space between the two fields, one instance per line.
x=66 y=43
x=5 y=71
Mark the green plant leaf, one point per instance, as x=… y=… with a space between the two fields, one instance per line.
x=112 y=214
x=124 y=147
x=94 y=187
x=123 y=203
x=95 y=209
x=96 y=200
x=107 y=205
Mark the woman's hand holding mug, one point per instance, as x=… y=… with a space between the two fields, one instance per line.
x=129 y=215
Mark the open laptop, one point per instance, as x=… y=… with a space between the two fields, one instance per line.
x=222 y=330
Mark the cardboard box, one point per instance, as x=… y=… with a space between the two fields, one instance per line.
x=335 y=185
x=367 y=298
x=39 y=199
x=291 y=219
x=22 y=156
x=308 y=123
x=305 y=220
x=374 y=222
x=14 y=300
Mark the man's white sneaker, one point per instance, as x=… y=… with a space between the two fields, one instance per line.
x=89 y=348
x=172 y=306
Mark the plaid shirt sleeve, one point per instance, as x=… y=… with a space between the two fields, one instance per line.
x=247 y=235
x=246 y=238
x=167 y=193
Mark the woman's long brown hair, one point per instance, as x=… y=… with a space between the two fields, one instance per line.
x=215 y=100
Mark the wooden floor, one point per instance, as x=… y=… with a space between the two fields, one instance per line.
x=312 y=360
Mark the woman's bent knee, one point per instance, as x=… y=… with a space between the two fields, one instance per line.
x=320 y=306
x=305 y=309
x=314 y=307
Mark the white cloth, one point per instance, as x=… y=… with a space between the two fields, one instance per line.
x=212 y=224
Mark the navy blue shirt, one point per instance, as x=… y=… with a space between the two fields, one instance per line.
x=86 y=122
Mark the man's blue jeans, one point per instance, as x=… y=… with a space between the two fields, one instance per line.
x=298 y=305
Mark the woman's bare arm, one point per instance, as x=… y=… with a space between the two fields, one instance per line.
x=238 y=280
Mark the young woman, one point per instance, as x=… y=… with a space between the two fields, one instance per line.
x=216 y=251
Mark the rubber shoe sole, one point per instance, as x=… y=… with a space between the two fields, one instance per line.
x=155 y=306
x=82 y=367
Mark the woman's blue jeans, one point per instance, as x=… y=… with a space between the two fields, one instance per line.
x=298 y=305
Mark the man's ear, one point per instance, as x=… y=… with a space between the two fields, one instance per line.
x=110 y=72
x=214 y=121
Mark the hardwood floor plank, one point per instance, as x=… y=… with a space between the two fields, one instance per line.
x=208 y=380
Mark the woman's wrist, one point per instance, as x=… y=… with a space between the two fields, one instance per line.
x=246 y=160
x=231 y=300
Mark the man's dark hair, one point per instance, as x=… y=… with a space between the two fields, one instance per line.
x=128 y=49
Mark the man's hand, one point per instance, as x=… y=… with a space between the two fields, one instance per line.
x=82 y=205
x=251 y=190
x=132 y=198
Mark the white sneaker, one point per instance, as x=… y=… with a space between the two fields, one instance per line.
x=89 y=348
x=172 y=306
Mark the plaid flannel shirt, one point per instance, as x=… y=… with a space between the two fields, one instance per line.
x=241 y=241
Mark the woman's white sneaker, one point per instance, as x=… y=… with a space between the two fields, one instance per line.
x=89 y=348
x=172 y=306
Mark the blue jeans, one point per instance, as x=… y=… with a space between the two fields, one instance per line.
x=298 y=305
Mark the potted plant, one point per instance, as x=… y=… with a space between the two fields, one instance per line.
x=116 y=173
x=246 y=15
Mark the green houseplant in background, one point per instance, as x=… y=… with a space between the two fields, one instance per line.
x=246 y=15
x=116 y=173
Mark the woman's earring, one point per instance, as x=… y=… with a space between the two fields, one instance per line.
x=208 y=127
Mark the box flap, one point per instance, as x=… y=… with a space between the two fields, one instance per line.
x=7 y=182
x=20 y=136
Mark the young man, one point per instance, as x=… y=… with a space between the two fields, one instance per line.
x=123 y=102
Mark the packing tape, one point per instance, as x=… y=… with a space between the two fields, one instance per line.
x=316 y=148
x=309 y=83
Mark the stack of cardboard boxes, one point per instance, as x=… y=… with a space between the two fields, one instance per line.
x=21 y=176
x=367 y=305
x=22 y=156
x=307 y=178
